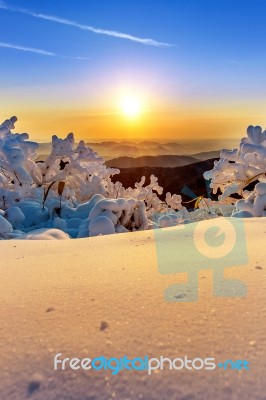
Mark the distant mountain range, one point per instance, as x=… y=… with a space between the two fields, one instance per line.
x=111 y=150
x=133 y=149
x=171 y=179
x=161 y=161
x=151 y=161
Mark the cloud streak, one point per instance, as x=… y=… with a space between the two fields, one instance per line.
x=36 y=51
x=99 y=31
x=28 y=49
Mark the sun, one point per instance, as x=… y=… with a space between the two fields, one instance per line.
x=131 y=106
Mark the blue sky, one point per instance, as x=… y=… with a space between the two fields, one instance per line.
x=215 y=68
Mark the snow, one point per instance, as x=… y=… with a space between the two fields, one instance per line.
x=15 y=216
x=255 y=202
x=5 y=227
x=45 y=234
x=104 y=295
x=55 y=296
x=70 y=189
x=238 y=168
x=166 y=221
x=34 y=214
x=174 y=201
x=101 y=225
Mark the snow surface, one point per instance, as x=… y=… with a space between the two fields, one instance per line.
x=56 y=296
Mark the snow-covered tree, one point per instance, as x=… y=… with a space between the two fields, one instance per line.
x=238 y=168
x=70 y=190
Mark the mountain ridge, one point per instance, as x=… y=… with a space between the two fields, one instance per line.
x=172 y=180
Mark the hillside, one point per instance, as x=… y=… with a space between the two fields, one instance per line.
x=171 y=179
x=151 y=161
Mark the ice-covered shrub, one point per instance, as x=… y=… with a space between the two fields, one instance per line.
x=148 y=194
x=174 y=201
x=118 y=215
x=81 y=170
x=253 y=204
x=237 y=168
x=71 y=190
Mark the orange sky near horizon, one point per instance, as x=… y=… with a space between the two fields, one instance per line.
x=96 y=115
x=94 y=126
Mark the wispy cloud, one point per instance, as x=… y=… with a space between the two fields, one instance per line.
x=29 y=49
x=99 y=31
x=36 y=51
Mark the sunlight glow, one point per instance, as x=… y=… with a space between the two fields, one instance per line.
x=131 y=106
